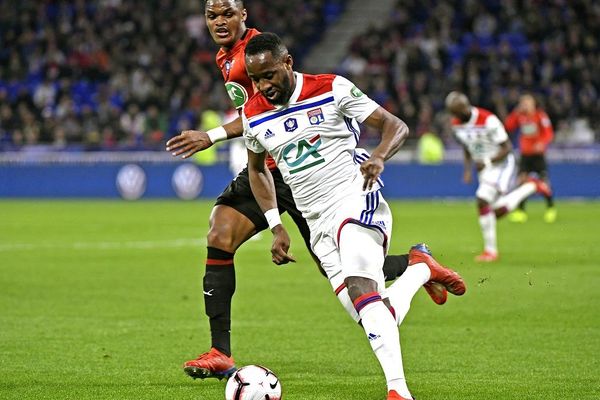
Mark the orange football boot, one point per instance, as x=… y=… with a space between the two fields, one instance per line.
x=541 y=187
x=437 y=292
x=212 y=364
x=393 y=395
x=439 y=274
x=487 y=256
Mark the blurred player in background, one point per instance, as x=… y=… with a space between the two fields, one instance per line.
x=236 y=216
x=486 y=142
x=536 y=134
x=309 y=123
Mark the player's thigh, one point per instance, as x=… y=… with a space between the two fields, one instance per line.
x=229 y=228
x=362 y=252
x=236 y=215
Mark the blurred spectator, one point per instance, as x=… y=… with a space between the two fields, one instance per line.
x=491 y=50
x=110 y=74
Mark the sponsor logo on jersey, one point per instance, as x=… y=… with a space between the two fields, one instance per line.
x=290 y=124
x=303 y=154
x=355 y=92
x=237 y=93
x=315 y=117
x=269 y=134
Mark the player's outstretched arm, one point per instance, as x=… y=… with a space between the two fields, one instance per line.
x=263 y=189
x=393 y=134
x=467 y=166
x=187 y=143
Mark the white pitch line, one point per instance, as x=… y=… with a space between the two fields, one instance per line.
x=140 y=244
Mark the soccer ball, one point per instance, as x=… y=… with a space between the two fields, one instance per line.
x=253 y=382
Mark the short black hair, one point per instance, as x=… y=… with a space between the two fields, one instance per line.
x=266 y=41
x=239 y=3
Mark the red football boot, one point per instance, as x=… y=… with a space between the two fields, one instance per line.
x=439 y=274
x=212 y=364
x=541 y=187
x=487 y=256
x=437 y=292
x=393 y=395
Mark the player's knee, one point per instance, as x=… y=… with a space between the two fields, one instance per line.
x=357 y=286
x=220 y=236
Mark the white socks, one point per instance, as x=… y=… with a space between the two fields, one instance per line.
x=487 y=221
x=402 y=291
x=382 y=332
x=512 y=199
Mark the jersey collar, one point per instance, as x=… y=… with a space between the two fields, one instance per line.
x=474 y=115
x=298 y=89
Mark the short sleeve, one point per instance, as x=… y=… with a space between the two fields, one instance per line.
x=249 y=139
x=495 y=127
x=351 y=101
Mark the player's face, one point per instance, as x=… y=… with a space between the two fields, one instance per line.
x=272 y=77
x=527 y=104
x=225 y=21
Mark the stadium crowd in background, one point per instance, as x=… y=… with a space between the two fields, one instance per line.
x=493 y=51
x=113 y=74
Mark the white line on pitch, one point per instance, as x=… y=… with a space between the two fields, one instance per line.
x=139 y=244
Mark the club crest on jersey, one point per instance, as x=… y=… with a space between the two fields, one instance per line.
x=227 y=68
x=269 y=134
x=290 y=124
x=315 y=117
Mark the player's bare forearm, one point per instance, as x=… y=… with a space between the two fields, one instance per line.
x=263 y=189
x=261 y=181
x=187 y=143
x=393 y=134
x=505 y=149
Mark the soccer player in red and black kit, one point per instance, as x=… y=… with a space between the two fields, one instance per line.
x=236 y=216
x=536 y=134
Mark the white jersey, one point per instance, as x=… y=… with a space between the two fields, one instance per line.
x=313 y=139
x=482 y=134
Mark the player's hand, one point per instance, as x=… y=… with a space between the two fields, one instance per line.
x=467 y=176
x=188 y=143
x=280 y=246
x=371 y=170
x=539 y=147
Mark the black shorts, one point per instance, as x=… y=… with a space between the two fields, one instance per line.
x=238 y=195
x=534 y=163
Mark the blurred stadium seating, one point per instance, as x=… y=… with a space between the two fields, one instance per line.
x=126 y=75
x=122 y=75
x=494 y=51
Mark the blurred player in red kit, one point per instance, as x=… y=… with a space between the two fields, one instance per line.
x=536 y=134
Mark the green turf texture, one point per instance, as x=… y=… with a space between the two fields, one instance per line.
x=102 y=300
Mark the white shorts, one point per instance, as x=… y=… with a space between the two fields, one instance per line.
x=367 y=209
x=496 y=180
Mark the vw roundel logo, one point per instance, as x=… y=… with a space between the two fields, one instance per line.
x=290 y=124
x=187 y=181
x=131 y=182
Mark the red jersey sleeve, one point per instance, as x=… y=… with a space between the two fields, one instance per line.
x=512 y=122
x=547 y=132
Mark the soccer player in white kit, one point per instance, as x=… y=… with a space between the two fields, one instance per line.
x=486 y=142
x=308 y=123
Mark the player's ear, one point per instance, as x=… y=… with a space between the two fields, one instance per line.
x=289 y=61
x=244 y=15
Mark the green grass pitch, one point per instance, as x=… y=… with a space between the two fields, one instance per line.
x=102 y=300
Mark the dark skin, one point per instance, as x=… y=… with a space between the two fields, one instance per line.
x=274 y=78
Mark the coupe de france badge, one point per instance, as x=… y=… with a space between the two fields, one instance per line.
x=315 y=117
x=290 y=124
